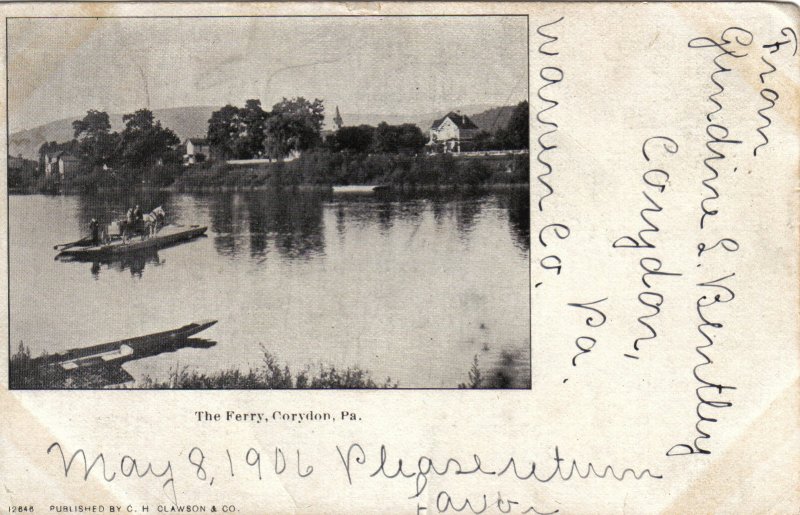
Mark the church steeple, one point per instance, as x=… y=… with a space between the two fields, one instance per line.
x=337 y=120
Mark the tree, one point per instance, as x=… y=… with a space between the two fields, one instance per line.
x=293 y=124
x=406 y=138
x=410 y=138
x=252 y=131
x=144 y=141
x=224 y=128
x=352 y=139
x=385 y=138
x=97 y=144
x=516 y=133
x=484 y=141
x=238 y=132
x=94 y=123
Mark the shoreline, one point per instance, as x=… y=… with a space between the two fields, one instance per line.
x=511 y=372
x=314 y=171
x=310 y=188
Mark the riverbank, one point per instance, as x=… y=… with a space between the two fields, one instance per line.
x=509 y=372
x=314 y=171
x=327 y=169
x=318 y=188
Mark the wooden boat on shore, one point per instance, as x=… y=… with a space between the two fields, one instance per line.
x=118 y=352
x=362 y=189
x=168 y=236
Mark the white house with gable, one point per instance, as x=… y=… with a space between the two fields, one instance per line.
x=196 y=150
x=60 y=163
x=451 y=130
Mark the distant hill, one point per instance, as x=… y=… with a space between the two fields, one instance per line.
x=185 y=121
x=493 y=119
x=192 y=121
x=489 y=119
x=423 y=121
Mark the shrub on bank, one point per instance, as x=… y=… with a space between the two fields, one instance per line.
x=270 y=376
x=509 y=372
x=325 y=168
x=26 y=372
x=318 y=167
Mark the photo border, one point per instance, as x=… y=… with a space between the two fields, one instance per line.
x=530 y=211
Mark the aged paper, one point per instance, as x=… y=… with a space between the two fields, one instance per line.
x=401 y=258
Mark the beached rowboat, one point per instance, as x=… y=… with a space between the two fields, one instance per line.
x=121 y=351
x=168 y=236
x=360 y=189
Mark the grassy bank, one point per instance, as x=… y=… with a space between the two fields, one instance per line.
x=509 y=372
x=88 y=180
x=314 y=169
x=326 y=169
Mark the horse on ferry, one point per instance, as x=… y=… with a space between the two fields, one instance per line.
x=154 y=220
x=148 y=226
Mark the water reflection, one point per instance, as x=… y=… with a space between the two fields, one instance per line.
x=518 y=204
x=135 y=263
x=386 y=208
x=291 y=224
x=226 y=213
x=466 y=213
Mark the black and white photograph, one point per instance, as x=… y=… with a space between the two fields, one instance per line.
x=272 y=202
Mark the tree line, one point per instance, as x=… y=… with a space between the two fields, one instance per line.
x=514 y=136
x=146 y=151
x=251 y=132
x=143 y=142
x=406 y=138
x=409 y=139
x=293 y=125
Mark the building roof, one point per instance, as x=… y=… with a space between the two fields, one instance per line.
x=198 y=141
x=462 y=121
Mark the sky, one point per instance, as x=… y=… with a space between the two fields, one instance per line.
x=60 y=68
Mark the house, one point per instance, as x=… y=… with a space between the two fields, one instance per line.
x=196 y=150
x=62 y=163
x=20 y=168
x=19 y=164
x=450 y=131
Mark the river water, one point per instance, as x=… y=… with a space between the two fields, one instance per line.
x=406 y=286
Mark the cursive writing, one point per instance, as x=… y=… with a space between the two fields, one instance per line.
x=656 y=179
x=355 y=457
x=129 y=467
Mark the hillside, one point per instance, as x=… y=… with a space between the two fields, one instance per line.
x=185 y=121
x=493 y=119
x=193 y=122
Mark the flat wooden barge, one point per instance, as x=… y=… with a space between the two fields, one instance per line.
x=168 y=236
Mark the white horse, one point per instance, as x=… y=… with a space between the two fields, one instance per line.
x=153 y=221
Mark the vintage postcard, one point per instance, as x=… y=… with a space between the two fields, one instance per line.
x=527 y=258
